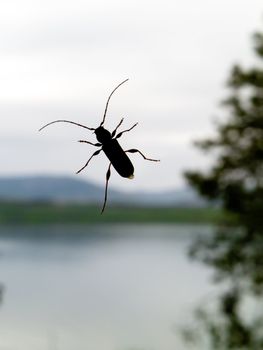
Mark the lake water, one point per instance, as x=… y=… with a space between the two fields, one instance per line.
x=98 y=287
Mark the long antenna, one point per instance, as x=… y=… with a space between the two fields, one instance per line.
x=66 y=121
x=104 y=116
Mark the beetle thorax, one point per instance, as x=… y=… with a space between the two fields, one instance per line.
x=102 y=134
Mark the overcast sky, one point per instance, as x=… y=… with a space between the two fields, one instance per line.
x=61 y=59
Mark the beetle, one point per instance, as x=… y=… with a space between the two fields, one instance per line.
x=108 y=143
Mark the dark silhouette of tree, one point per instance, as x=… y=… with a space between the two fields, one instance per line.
x=235 y=181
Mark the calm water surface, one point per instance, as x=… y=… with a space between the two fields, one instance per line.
x=117 y=287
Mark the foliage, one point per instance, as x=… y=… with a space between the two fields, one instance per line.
x=236 y=181
x=55 y=213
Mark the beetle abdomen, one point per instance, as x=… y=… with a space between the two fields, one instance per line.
x=118 y=158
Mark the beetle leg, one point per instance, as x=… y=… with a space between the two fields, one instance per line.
x=136 y=150
x=90 y=143
x=94 y=154
x=115 y=130
x=106 y=188
x=120 y=134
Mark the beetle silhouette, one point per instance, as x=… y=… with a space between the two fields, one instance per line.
x=110 y=146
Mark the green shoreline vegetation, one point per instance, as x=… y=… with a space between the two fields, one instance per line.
x=54 y=213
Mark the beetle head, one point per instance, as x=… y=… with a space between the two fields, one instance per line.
x=102 y=134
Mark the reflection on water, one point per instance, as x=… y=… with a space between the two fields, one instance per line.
x=97 y=287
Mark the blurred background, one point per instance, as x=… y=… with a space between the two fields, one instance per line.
x=73 y=279
x=62 y=59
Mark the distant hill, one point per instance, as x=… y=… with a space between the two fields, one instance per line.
x=68 y=189
x=49 y=188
